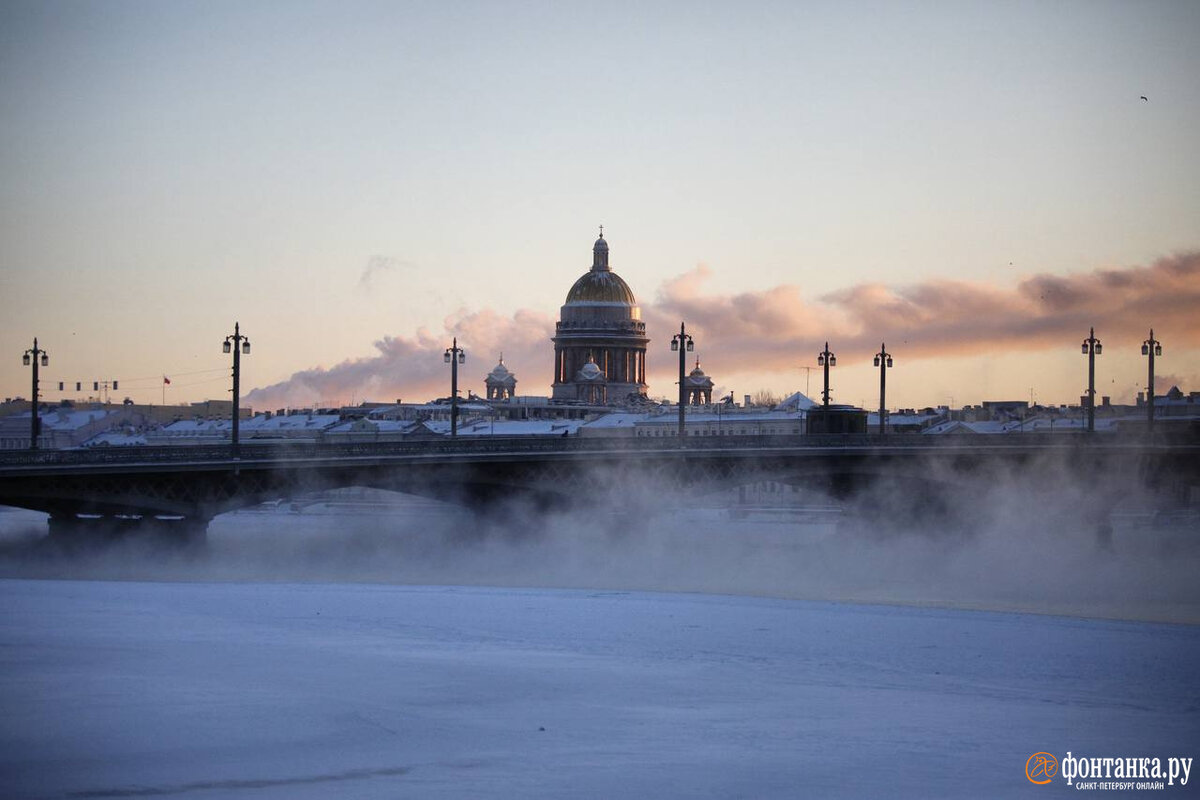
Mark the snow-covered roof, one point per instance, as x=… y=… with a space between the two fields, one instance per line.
x=63 y=419
x=900 y=419
x=183 y=427
x=731 y=417
x=290 y=422
x=796 y=401
x=985 y=426
x=617 y=420
x=518 y=427
x=1066 y=423
x=374 y=425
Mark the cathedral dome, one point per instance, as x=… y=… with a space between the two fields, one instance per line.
x=601 y=287
x=600 y=284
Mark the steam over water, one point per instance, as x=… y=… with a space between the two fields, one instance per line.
x=1026 y=541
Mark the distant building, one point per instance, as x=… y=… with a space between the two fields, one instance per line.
x=600 y=339
x=698 y=386
x=63 y=426
x=500 y=382
x=712 y=420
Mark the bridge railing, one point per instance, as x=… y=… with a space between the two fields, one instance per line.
x=282 y=450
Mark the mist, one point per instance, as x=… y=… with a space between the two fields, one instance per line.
x=1038 y=539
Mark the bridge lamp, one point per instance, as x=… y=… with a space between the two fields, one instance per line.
x=1151 y=347
x=826 y=359
x=236 y=344
x=682 y=343
x=1091 y=349
x=33 y=357
x=883 y=360
x=689 y=347
x=454 y=356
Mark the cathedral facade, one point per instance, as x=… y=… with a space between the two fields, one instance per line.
x=600 y=339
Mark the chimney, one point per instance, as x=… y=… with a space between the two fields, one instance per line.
x=747 y=401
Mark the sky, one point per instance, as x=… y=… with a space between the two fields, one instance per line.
x=974 y=184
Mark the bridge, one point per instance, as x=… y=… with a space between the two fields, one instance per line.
x=177 y=490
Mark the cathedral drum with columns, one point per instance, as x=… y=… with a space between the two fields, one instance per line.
x=600 y=339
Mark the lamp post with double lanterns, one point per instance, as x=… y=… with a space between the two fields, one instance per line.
x=883 y=360
x=682 y=342
x=35 y=356
x=236 y=344
x=1091 y=349
x=1151 y=347
x=454 y=356
x=826 y=359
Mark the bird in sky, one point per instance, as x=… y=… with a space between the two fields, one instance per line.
x=1147 y=99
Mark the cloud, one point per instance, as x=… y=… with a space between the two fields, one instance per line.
x=1164 y=381
x=378 y=265
x=411 y=368
x=750 y=333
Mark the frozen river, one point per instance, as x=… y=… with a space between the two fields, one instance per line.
x=138 y=689
x=307 y=655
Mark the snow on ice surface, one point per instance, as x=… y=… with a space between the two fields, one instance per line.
x=204 y=690
x=307 y=652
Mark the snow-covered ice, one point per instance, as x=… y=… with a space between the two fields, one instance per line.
x=143 y=689
x=678 y=652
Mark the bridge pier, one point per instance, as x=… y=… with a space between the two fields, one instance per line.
x=69 y=528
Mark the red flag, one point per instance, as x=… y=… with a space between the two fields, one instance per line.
x=166 y=381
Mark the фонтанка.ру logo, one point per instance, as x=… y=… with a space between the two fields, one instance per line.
x=1041 y=768
x=1136 y=772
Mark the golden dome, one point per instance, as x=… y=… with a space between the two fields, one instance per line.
x=601 y=284
x=601 y=287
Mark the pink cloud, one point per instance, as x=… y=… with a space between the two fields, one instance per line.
x=762 y=331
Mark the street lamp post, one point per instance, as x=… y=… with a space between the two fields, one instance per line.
x=1091 y=349
x=883 y=360
x=35 y=357
x=682 y=342
x=1151 y=347
x=826 y=359
x=454 y=356
x=237 y=344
